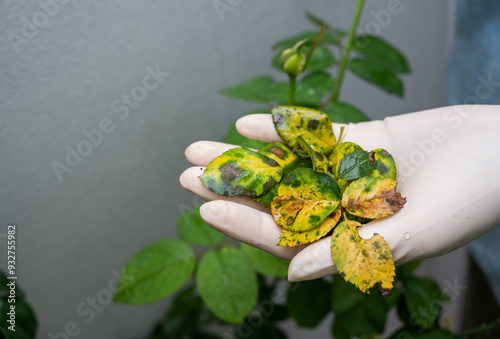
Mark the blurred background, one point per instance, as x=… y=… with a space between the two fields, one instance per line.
x=131 y=85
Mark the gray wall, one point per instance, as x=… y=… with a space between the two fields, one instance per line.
x=67 y=75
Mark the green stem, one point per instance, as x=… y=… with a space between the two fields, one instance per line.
x=482 y=329
x=347 y=50
x=291 y=95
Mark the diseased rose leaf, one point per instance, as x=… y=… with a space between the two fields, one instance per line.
x=363 y=263
x=280 y=153
x=354 y=165
x=372 y=198
x=268 y=197
x=320 y=162
x=313 y=126
x=340 y=151
x=286 y=158
x=385 y=166
x=305 y=198
x=241 y=172
x=290 y=238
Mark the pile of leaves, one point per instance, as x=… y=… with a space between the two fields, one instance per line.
x=317 y=186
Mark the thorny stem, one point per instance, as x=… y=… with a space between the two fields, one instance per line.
x=347 y=50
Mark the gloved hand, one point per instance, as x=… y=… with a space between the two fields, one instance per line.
x=448 y=162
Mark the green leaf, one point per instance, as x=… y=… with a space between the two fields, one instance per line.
x=308 y=302
x=265 y=263
x=235 y=138
x=372 y=198
x=314 y=87
x=185 y=315
x=308 y=92
x=25 y=319
x=340 y=151
x=227 y=283
x=356 y=313
x=378 y=75
x=423 y=299
x=155 y=272
x=321 y=58
x=412 y=333
x=305 y=198
x=192 y=228
x=241 y=172
x=355 y=165
x=309 y=36
x=381 y=51
x=312 y=125
x=362 y=262
x=254 y=89
x=343 y=113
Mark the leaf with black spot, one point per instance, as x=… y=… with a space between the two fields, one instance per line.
x=384 y=164
x=279 y=152
x=372 y=198
x=290 y=238
x=305 y=198
x=241 y=172
x=315 y=127
x=362 y=262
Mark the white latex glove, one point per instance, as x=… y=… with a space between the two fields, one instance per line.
x=448 y=162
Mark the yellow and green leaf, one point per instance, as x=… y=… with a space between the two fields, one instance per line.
x=339 y=152
x=286 y=158
x=315 y=127
x=241 y=172
x=320 y=162
x=290 y=238
x=363 y=263
x=385 y=166
x=305 y=198
x=372 y=198
x=280 y=153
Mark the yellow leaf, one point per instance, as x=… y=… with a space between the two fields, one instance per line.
x=372 y=198
x=305 y=198
x=315 y=127
x=241 y=172
x=363 y=263
x=290 y=238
